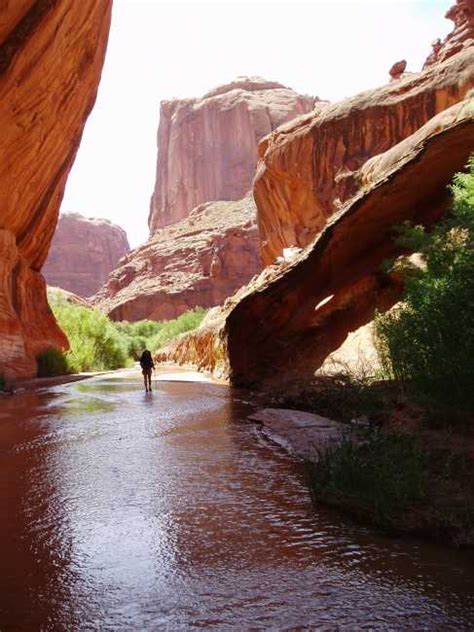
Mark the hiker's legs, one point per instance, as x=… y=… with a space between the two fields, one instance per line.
x=149 y=380
x=144 y=380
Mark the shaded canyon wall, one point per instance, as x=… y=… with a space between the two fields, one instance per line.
x=51 y=56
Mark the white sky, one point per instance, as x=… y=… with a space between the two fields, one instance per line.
x=159 y=50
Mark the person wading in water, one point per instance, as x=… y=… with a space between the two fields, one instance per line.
x=147 y=364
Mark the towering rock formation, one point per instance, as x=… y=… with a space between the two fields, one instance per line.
x=83 y=253
x=198 y=261
x=207 y=151
x=51 y=56
x=207 y=147
x=336 y=183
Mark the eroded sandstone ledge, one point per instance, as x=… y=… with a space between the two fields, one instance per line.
x=199 y=261
x=51 y=56
x=283 y=325
x=309 y=169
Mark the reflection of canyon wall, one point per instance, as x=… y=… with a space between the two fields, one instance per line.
x=50 y=63
x=204 y=243
x=198 y=261
x=337 y=181
x=83 y=253
x=207 y=147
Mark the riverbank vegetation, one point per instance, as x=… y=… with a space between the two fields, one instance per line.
x=98 y=343
x=413 y=469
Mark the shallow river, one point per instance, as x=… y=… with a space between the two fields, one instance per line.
x=121 y=511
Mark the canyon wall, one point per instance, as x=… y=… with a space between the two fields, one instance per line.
x=83 y=253
x=51 y=56
x=283 y=325
x=335 y=183
x=207 y=146
x=198 y=261
x=204 y=241
x=308 y=169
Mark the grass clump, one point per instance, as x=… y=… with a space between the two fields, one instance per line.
x=382 y=475
x=427 y=344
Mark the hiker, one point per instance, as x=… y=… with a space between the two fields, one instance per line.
x=147 y=364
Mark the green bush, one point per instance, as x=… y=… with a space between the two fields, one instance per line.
x=428 y=343
x=2 y=383
x=383 y=474
x=95 y=343
x=52 y=362
x=172 y=328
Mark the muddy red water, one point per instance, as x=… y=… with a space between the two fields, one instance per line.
x=121 y=511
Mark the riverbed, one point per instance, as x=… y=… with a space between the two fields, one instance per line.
x=169 y=511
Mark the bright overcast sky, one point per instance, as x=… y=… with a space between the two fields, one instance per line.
x=159 y=50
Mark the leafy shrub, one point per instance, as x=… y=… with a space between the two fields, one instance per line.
x=384 y=474
x=428 y=343
x=172 y=328
x=52 y=362
x=95 y=343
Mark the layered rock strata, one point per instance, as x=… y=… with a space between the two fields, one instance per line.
x=284 y=324
x=83 y=253
x=51 y=56
x=198 y=261
x=207 y=147
x=308 y=169
x=460 y=38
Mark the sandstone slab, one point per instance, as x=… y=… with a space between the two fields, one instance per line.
x=303 y=434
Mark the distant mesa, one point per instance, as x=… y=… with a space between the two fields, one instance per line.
x=207 y=146
x=204 y=242
x=83 y=253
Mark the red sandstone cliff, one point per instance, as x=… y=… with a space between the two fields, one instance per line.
x=51 y=56
x=287 y=321
x=207 y=147
x=337 y=181
x=83 y=253
x=198 y=261
x=460 y=38
x=207 y=151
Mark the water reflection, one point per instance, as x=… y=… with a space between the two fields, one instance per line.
x=121 y=511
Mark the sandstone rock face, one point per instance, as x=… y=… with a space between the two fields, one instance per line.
x=462 y=36
x=83 y=253
x=308 y=168
x=198 y=261
x=398 y=68
x=207 y=147
x=284 y=324
x=50 y=62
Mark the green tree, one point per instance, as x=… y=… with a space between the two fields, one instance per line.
x=428 y=342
